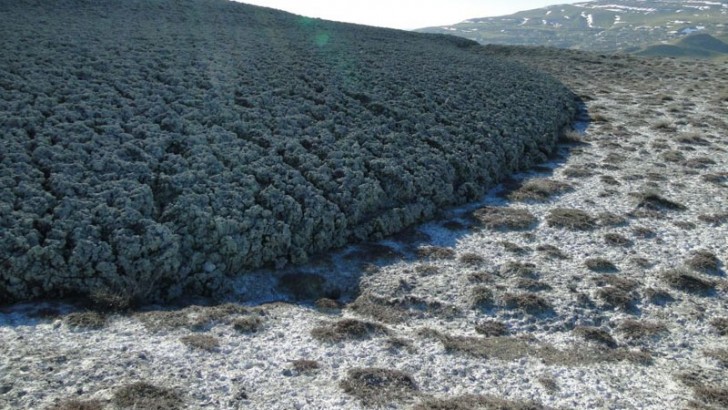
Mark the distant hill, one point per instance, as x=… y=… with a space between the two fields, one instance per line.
x=601 y=25
x=705 y=42
x=694 y=45
x=152 y=148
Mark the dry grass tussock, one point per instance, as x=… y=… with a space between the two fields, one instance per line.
x=573 y=219
x=86 y=320
x=508 y=348
x=143 y=395
x=539 y=190
x=74 y=404
x=348 y=329
x=641 y=329
x=505 y=218
x=193 y=317
x=686 y=281
x=470 y=401
x=378 y=386
x=202 y=342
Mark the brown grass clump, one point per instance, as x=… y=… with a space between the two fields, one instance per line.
x=540 y=190
x=673 y=156
x=713 y=395
x=642 y=232
x=471 y=259
x=481 y=297
x=106 y=300
x=527 y=302
x=704 y=261
x=74 y=404
x=705 y=390
x=396 y=309
x=572 y=219
x=714 y=219
x=698 y=162
x=720 y=324
x=398 y=343
x=549 y=383
x=532 y=285
x=658 y=296
x=378 y=308
x=501 y=218
x=609 y=180
x=611 y=219
x=596 y=334
x=641 y=329
x=470 y=401
x=721 y=355
x=377 y=386
x=641 y=262
x=509 y=348
x=491 y=328
x=684 y=225
x=327 y=305
x=427 y=269
x=348 y=329
x=481 y=277
x=681 y=279
x=247 y=324
x=692 y=139
x=718 y=178
x=518 y=269
x=598 y=118
x=192 y=317
x=502 y=348
x=514 y=248
x=203 y=342
x=663 y=124
x=652 y=201
x=86 y=320
x=551 y=251
x=435 y=252
x=614 y=158
x=600 y=265
x=618 y=292
x=305 y=366
x=615 y=239
x=571 y=137
x=142 y=395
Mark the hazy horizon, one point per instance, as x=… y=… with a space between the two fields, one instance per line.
x=404 y=14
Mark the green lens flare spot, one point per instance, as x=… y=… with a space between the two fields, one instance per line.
x=321 y=39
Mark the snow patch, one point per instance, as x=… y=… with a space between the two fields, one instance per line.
x=622 y=7
x=589 y=19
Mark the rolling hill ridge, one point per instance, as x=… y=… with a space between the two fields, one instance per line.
x=601 y=25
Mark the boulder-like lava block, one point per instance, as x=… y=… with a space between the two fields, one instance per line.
x=155 y=147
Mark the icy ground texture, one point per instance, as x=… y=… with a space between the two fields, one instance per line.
x=429 y=312
x=150 y=148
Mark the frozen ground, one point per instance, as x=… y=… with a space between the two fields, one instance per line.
x=457 y=310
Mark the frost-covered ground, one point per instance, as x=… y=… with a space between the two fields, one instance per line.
x=455 y=309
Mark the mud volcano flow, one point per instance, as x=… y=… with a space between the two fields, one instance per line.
x=152 y=148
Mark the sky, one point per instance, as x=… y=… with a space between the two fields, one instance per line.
x=404 y=14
